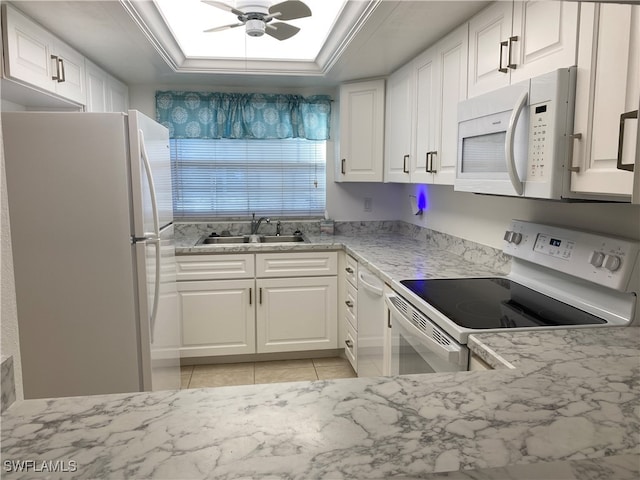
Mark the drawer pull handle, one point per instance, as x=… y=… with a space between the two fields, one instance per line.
x=348 y=343
x=250 y=296
x=349 y=303
x=349 y=270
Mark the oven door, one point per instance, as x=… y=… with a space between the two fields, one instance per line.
x=418 y=345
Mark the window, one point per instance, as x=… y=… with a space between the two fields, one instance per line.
x=231 y=177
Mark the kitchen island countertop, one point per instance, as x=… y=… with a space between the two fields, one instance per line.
x=571 y=399
x=572 y=396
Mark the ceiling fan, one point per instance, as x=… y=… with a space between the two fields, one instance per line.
x=257 y=15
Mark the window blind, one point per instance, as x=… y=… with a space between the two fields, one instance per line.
x=224 y=177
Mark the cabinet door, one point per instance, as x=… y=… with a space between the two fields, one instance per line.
x=296 y=314
x=28 y=50
x=547 y=35
x=607 y=86
x=452 y=56
x=71 y=85
x=425 y=126
x=487 y=30
x=218 y=317
x=96 y=85
x=361 y=132
x=117 y=95
x=398 y=124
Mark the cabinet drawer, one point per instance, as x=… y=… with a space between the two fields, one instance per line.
x=351 y=347
x=303 y=264
x=214 y=267
x=351 y=270
x=351 y=305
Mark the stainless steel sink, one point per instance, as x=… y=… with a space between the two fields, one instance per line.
x=250 y=239
x=281 y=238
x=222 y=240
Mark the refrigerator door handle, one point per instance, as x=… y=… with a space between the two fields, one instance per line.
x=156 y=290
x=155 y=238
x=152 y=187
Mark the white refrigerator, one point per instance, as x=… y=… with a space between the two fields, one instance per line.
x=91 y=221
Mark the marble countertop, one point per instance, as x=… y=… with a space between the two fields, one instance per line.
x=389 y=255
x=572 y=396
x=558 y=404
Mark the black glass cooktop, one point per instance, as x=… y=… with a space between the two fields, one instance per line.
x=496 y=303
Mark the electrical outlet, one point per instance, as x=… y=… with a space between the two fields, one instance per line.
x=368 y=204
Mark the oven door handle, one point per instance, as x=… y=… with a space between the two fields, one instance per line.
x=451 y=353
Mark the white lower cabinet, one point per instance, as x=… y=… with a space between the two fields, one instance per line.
x=348 y=308
x=218 y=317
x=227 y=308
x=351 y=346
x=296 y=314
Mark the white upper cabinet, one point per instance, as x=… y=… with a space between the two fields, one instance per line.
x=96 y=88
x=398 y=125
x=35 y=57
x=422 y=113
x=104 y=92
x=426 y=107
x=361 y=132
x=117 y=95
x=512 y=41
x=452 y=56
x=607 y=99
x=488 y=31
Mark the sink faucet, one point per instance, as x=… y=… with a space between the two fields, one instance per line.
x=256 y=224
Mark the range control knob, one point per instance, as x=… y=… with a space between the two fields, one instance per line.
x=517 y=238
x=597 y=258
x=612 y=263
x=512 y=237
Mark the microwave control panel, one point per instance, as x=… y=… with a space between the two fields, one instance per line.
x=540 y=142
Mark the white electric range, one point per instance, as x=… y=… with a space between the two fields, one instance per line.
x=560 y=278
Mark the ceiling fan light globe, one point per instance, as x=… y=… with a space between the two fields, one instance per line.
x=255 y=28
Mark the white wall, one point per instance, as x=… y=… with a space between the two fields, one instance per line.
x=9 y=339
x=483 y=218
x=345 y=201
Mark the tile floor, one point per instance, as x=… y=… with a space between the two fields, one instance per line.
x=200 y=376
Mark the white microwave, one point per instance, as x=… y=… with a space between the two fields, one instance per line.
x=516 y=141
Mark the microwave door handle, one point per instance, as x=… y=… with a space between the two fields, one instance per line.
x=511 y=132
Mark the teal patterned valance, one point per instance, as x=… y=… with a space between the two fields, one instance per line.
x=243 y=115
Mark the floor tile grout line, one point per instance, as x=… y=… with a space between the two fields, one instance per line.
x=253 y=364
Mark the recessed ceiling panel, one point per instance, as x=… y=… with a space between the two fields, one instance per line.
x=188 y=20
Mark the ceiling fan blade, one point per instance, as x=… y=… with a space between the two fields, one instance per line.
x=223 y=6
x=290 y=10
x=281 y=31
x=223 y=27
